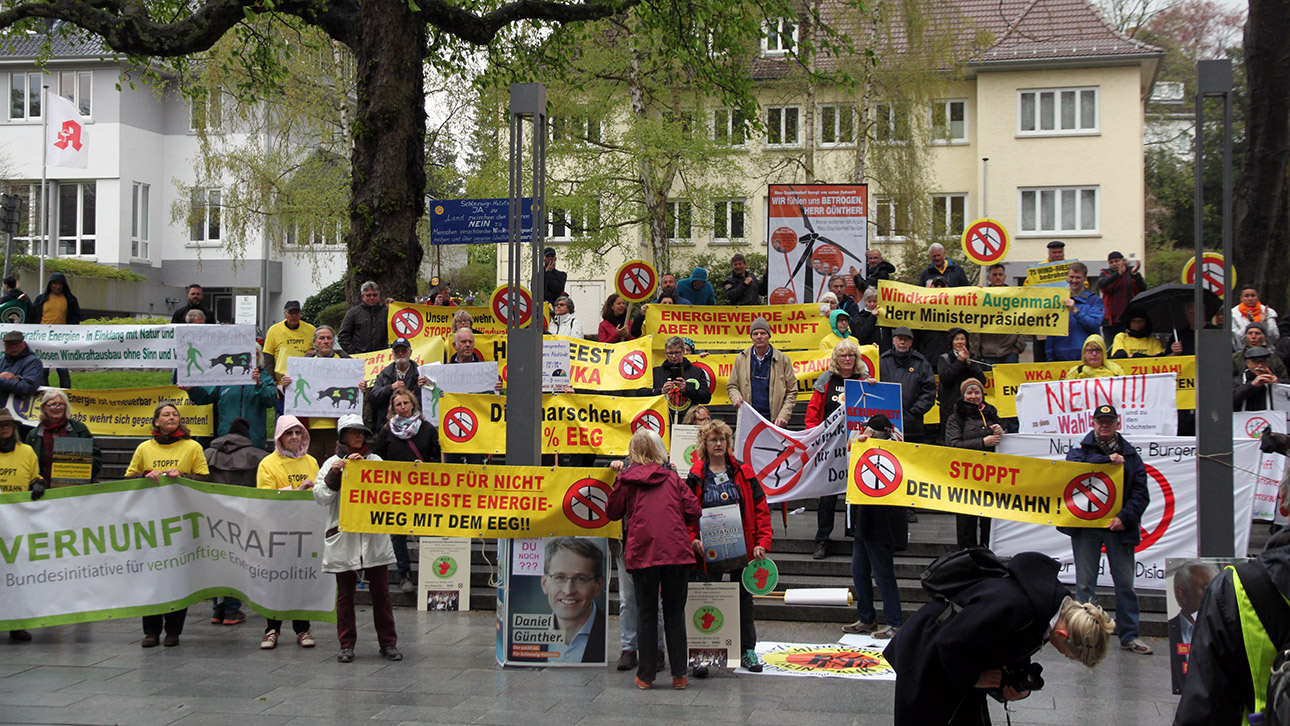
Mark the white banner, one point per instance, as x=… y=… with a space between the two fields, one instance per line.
x=1146 y=403
x=816 y=231
x=794 y=465
x=1250 y=425
x=1169 y=523
x=101 y=346
x=215 y=355
x=129 y=548
x=326 y=387
x=462 y=377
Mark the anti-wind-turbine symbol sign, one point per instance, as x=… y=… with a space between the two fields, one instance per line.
x=806 y=243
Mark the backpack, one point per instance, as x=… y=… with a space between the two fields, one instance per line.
x=1274 y=613
x=950 y=575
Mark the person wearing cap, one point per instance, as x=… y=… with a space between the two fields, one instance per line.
x=194 y=303
x=879 y=532
x=1056 y=251
x=1138 y=339
x=1093 y=361
x=906 y=366
x=399 y=375
x=1105 y=445
x=1256 y=337
x=287 y=339
x=763 y=376
x=365 y=327
x=21 y=372
x=349 y=555
x=288 y=467
x=1254 y=385
x=1250 y=311
x=972 y=424
x=553 y=280
x=1117 y=284
x=170 y=452
x=251 y=402
x=19 y=472
x=839 y=330
x=1084 y=312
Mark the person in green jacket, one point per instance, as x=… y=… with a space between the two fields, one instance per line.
x=56 y=422
x=251 y=402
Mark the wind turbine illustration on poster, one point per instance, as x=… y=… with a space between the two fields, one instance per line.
x=806 y=243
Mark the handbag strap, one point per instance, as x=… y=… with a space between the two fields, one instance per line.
x=415 y=450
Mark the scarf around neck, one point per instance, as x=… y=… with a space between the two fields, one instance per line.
x=1254 y=314
x=405 y=428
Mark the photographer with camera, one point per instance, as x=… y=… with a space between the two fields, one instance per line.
x=954 y=651
x=679 y=380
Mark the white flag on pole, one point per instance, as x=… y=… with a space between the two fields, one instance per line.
x=65 y=143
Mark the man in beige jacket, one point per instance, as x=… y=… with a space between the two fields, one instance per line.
x=764 y=377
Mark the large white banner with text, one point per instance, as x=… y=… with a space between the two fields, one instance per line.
x=136 y=547
x=794 y=465
x=1169 y=523
x=1146 y=404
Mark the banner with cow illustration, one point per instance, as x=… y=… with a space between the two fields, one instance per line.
x=326 y=387
x=215 y=355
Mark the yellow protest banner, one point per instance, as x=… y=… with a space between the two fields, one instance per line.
x=412 y=321
x=603 y=366
x=1006 y=378
x=461 y=500
x=1035 y=310
x=123 y=411
x=572 y=423
x=791 y=326
x=1020 y=488
x=1050 y=274
x=424 y=352
x=807 y=367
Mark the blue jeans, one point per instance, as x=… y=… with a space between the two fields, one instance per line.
x=1086 y=545
x=876 y=561
x=224 y=606
x=627 y=608
x=400 y=544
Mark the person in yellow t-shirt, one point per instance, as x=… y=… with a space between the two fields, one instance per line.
x=288 y=467
x=1138 y=340
x=19 y=471
x=171 y=452
x=290 y=338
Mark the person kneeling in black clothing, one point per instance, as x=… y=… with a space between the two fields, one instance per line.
x=946 y=661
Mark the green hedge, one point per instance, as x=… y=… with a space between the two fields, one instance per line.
x=126 y=321
x=29 y=266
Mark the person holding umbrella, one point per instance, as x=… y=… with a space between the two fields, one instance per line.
x=1138 y=340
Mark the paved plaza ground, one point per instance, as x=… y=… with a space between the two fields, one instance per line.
x=97 y=674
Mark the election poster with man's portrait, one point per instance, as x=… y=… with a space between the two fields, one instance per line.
x=554 y=611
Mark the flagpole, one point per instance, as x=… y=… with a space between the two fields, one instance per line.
x=44 y=174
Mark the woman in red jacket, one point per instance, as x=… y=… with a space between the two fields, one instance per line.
x=614 y=326
x=656 y=548
x=829 y=394
x=718 y=479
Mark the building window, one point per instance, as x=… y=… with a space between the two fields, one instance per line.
x=76 y=218
x=728 y=127
x=319 y=233
x=780 y=37
x=581 y=130
x=837 y=125
x=75 y=87
x=949 y=215
x=728 y=221
x=565 y=225
x=206 y=111
x=1059 y=209
x=27 y=239
x=891 y=219
x=139 y=204
x=782 y=127
x=1057 y=111
x=24 y=96
x=204 y=215
x=890 y=125
x=949 y=122
x=679 y=216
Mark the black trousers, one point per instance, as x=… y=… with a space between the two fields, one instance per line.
x=672 y=581
x=173 y=622
x=827 y=508
x=971 y=530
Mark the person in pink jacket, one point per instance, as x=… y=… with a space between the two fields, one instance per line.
x=661 y=509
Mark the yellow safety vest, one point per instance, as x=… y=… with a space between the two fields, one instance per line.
x=1260 y=651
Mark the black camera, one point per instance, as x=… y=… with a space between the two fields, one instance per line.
x=1022 y=678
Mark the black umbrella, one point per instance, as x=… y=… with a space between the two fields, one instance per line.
x=1164 y=305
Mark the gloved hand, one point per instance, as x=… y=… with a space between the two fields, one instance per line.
x=37 y=490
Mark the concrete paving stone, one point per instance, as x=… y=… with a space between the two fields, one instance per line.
x=453 y=718
x=95 y=673
x=224 y=704
x=221 y=719
x=19 y=684
x=347 y=704
x=119 y=686
x=445 y=712
x=814 y=718
x=521 y=718
x=215 y=688
x=1055 y=717
x=87 y=716
x=9 y=669
x=39 y=697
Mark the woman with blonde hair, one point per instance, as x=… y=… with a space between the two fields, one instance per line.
x=406 y=436
x=697 y=416
x=56 y=422
x=657 y=549
x=947 y=658
x=718 y=479
x=827 y=396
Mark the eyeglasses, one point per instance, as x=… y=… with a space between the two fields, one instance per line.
x=577 y=580
x=54 y=404
x=846 y=355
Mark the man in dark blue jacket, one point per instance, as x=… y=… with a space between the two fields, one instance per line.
x=21 y=372
x=1105 y=445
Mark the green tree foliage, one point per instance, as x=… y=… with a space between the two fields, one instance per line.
x=334 y=294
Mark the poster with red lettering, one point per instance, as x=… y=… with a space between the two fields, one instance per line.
x=814 y=232
x=1147 y=404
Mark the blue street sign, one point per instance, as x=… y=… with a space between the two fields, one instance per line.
x=476 y=221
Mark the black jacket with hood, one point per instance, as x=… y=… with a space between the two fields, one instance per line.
x=73 y=307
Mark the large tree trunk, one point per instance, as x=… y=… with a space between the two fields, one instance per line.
x=1262 y=241
x=389 y=177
